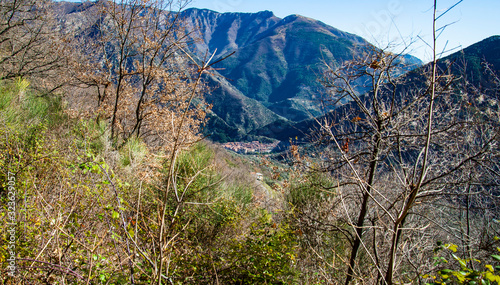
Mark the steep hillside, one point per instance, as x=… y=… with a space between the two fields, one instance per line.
x=276 y=62
x=474 y=58
x=468 y=63
x=226 y=32
x=233 y=114
x=272 y=75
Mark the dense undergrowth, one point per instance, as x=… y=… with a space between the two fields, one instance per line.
x=88 y=213
x=78 y=210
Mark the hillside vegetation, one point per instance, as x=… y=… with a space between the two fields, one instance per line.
x=87 y=212
x=106 y=177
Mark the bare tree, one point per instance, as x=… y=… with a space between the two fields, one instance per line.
x=394 y=151
x=30 y=45
x=136 y=60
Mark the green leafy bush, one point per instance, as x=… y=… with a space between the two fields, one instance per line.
x=267 y=255
x=466 y=274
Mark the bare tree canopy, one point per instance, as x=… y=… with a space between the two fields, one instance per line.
x=30 y=45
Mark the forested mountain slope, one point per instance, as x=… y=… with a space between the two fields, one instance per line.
x=468 y=63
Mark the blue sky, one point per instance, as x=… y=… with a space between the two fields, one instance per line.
x=384 y=21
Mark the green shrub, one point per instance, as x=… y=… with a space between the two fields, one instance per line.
x=489 y=274
x=266 y=256
x=133 y=152
x=312 y=189
x=20 y=106
x=74 y=203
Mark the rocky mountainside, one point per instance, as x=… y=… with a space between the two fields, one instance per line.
x=276 y=66
x=272 y=75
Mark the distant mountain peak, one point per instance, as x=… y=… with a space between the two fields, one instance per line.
x=276 y=63
x=264 y=13
x=274 y=71
x=295 y=17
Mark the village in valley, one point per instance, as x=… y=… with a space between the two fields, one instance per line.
x=250 y=147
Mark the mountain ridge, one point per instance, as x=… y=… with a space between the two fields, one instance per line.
x=272 y=75
x=276 y=61
x=472 y=57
